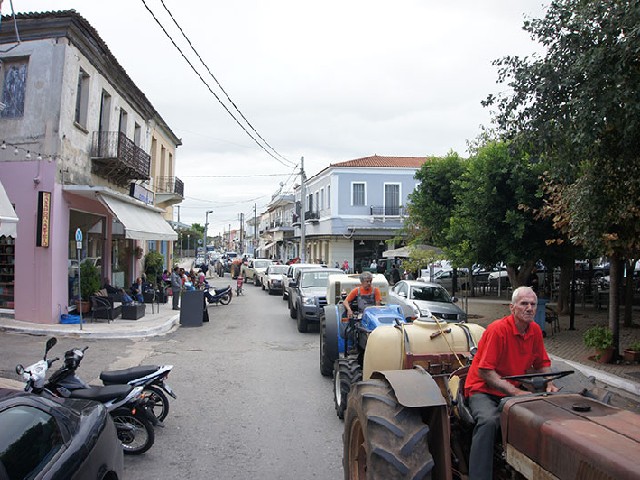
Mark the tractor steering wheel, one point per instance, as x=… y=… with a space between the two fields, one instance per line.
x=539 y=381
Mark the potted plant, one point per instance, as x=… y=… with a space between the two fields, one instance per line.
x=89 y=284
x=632 y=353
x=601 y=339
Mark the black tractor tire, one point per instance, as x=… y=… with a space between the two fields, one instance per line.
x=135 y=431
x=382 y=439
x=159 y=401
x=301 y=321
x=328 y=341
x=346 y=372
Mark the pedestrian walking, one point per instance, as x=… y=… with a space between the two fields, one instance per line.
x=176 y=287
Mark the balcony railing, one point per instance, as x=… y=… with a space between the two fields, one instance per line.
x=119 y=159
x=387 y=211
x=170 y=185
x=312 y=215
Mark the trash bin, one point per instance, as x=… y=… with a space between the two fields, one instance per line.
x=540 y=314
x=191 y=308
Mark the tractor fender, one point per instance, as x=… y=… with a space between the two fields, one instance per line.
x=413 y=388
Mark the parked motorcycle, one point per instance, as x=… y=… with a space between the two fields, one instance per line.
x=125 y=403
x=152 y=378
x=221 y=295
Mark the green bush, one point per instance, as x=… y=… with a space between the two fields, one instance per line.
x=635 y=346
x=598 y=337
x=89 y=280
x=153 y=265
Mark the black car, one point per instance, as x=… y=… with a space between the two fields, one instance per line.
x=53 y=438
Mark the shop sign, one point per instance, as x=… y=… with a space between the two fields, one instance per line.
x=141 y=193
x=44 y=219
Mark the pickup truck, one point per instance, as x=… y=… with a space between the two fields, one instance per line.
x=253 y=269
x=308 y=295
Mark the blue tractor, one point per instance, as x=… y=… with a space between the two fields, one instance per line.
x=343 y=341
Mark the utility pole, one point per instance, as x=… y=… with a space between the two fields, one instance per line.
x=255 y=228
x=303 y=211
x=241 y=233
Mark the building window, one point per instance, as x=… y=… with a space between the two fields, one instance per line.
x=392 y=199
x=82 y=99
x=358 y=194
x=329 y=196
x=122 y=124
x=322 y=198
x=14 y=85
x=318 y=204
x=137 y=130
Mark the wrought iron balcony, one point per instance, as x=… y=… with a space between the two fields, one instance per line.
x=170 y=185
x=387 y=211
x=119 y=159
x=312 y=215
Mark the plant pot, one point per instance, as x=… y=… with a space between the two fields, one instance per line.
x=84 y=307
x=631 y=355
x=603 y=356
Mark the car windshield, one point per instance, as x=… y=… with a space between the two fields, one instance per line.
x=277 y=269
x=261 y=263
x=430 y=294
x=314 y=279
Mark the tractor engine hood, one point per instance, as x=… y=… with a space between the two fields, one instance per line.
x=570 y=437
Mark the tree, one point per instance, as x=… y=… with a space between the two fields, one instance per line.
x=494 y=220
x=577 y=109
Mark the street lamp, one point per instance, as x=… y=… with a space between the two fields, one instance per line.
x=206 y=225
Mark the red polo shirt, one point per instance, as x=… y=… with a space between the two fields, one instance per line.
x=503 y=349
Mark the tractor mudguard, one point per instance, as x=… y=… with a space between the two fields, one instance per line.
x=413 y=388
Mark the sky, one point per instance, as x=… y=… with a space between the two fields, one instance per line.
x=330 y=81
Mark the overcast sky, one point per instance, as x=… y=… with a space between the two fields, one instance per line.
x=330 y=80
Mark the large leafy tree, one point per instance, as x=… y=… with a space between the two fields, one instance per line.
x=494 y=219
x=577 y=108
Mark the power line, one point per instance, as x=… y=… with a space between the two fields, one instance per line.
x=211 y=90
x=219 y=85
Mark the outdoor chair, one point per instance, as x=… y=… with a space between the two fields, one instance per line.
x=102 y=307
x=551 y=317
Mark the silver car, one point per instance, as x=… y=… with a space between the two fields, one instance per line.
x=429 y=298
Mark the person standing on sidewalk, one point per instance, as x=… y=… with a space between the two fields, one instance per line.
x=176 y=287
x=512 y=345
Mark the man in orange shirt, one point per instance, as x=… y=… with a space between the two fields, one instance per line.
x=366 y=294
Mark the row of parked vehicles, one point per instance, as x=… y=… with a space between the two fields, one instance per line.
x=398 y=375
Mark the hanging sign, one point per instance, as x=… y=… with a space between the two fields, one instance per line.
x=44 y=219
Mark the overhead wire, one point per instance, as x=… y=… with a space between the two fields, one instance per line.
x=211 y=90
x=219 y=85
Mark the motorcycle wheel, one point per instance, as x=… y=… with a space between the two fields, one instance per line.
x=225 y=299
x=159 y=402
x=134 y=431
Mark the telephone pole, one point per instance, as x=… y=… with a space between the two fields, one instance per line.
x=303 y=211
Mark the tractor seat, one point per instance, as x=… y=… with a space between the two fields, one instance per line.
x=459 y=402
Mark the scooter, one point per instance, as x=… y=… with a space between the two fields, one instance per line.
x=126 y=404
x=221 y=295
x=152 y=378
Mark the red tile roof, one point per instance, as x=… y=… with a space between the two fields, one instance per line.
x=378 y=161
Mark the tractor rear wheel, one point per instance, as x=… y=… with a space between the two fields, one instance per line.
x=328 y=341
x=346 y=372
x=382 y=439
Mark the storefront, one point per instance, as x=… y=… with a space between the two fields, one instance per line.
x=8 y=234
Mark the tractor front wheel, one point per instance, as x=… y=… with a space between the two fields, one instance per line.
x=382 y=439
x=346 y=372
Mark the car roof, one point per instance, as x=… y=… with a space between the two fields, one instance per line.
x=418 y=283
x=314 y=270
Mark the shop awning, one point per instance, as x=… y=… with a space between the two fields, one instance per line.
x=267 y=246
x=140 y=223
x=8 y=217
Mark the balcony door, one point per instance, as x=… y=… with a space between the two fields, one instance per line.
x=392 y=199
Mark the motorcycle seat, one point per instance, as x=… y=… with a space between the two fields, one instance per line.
x=123 y=376
x=102 y=394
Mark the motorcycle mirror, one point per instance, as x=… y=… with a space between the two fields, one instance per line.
x=19 y=369
x=50 y=344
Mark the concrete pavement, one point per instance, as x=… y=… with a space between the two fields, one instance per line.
x=566 y=344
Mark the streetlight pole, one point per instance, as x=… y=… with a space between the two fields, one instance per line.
x=206 y=225
x=188 y=243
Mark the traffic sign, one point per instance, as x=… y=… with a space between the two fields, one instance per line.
x=78 y=235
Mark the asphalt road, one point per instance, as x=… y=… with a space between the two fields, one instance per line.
x=251 y=400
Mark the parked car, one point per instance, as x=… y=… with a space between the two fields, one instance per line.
x=308 y=295
x=45 y=438
x=429 y=298
x=273 y=278
x=253 y=268
x=445 y=278
x=291 y=271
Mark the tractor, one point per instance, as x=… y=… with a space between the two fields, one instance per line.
x=408 y=418
x=343 y=341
